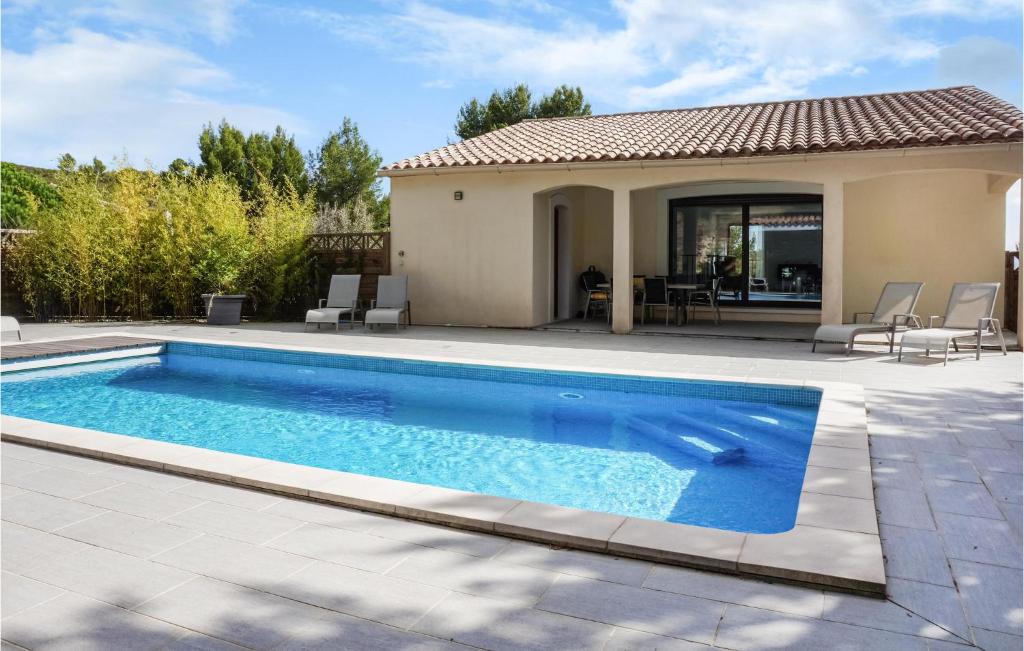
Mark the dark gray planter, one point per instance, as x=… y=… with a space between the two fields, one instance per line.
x=223 y=309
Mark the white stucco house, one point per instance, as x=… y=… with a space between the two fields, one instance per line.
x=806 y=207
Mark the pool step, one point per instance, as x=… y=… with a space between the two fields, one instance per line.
x=698 y=440
x=747 y=422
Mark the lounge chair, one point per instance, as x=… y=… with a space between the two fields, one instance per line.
x=9 y=324
x=391 y=304
x=968 y=314
x=342 y=299
x=893 y=313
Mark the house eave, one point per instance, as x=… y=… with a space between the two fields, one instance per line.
x=707 y=162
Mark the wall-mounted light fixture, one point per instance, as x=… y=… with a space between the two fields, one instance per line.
x=458 y=195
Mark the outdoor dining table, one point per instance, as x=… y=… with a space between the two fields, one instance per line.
x=680 y=290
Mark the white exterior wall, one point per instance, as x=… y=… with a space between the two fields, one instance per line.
x=486 y=260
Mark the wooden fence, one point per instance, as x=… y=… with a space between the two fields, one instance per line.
x=1010 y=285
x=368 y=254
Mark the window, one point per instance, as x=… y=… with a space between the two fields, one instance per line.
x=765 y=248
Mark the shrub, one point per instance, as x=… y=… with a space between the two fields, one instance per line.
x=146 y=244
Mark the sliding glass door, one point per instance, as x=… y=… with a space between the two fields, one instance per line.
x=765 y=248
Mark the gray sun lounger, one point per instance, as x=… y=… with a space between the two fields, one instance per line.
x=968 y=314
x=392 y=302
x=342 y=300
x=893 y=313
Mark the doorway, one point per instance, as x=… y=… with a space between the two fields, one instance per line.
x=563 y=294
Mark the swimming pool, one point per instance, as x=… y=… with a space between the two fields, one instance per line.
x=716 y=454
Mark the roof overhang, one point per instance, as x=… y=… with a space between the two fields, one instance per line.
x=706 y=162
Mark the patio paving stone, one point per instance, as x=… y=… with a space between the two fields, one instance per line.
x=233 y=522
x=882 y=614
x=142 y=501
x=915 y=554
x=502 y=626
x=128 y=534
x=903 y=508
x=721 y=587
x=75 y=623
x=476 y=576
x=45 y=512
x=22 y=548
x=978 y=539
x=334 y=516
x=947 y=466
x=896 y=474
x=20 y=593
x=1005 y=487
x=578 y=563
x=231 y=612
x=344 y=547
x=62 y=482
x=627 y=639
x=995 y=641
x=204 y=490
x=751 y=629
x=440 y=537
x=991 y=596
x=109 y=576
x=161 y=481
x=963 y=498
x=11 y=467
x=233 y=560
x=369 y=595
x=662 y=613
x=938 y=604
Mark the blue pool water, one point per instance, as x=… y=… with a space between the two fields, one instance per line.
x=724 y=455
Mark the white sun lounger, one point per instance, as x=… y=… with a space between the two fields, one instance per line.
x=342 y=299
x=968 y=314
x=391 y=304
x=10 y=324
x=893 y=313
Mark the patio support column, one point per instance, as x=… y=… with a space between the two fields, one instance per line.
x=832 y=253
x=622 y=263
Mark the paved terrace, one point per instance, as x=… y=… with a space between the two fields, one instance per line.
x=97 y=555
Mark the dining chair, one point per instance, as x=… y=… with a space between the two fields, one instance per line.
x=706 y=297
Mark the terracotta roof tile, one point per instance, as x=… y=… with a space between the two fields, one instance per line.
x=948 y=116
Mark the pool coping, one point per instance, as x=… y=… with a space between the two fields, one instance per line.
x=835 y=543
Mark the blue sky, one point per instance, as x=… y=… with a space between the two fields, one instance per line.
x=140 y=77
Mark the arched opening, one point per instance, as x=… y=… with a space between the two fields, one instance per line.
x=573 y=231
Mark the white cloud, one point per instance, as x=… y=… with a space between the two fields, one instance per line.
x=213 y=19
x=94 y=94
x=664 y=51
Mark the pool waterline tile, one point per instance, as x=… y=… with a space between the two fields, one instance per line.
x=857 y=569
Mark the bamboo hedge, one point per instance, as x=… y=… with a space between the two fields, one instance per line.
x=146 y=244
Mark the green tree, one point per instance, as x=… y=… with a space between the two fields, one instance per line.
x=23 y=195
x=344 y=167
x=180 y=168
x=513 y=105
x=66 y=163
x=564 y=101
x=248 y=159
